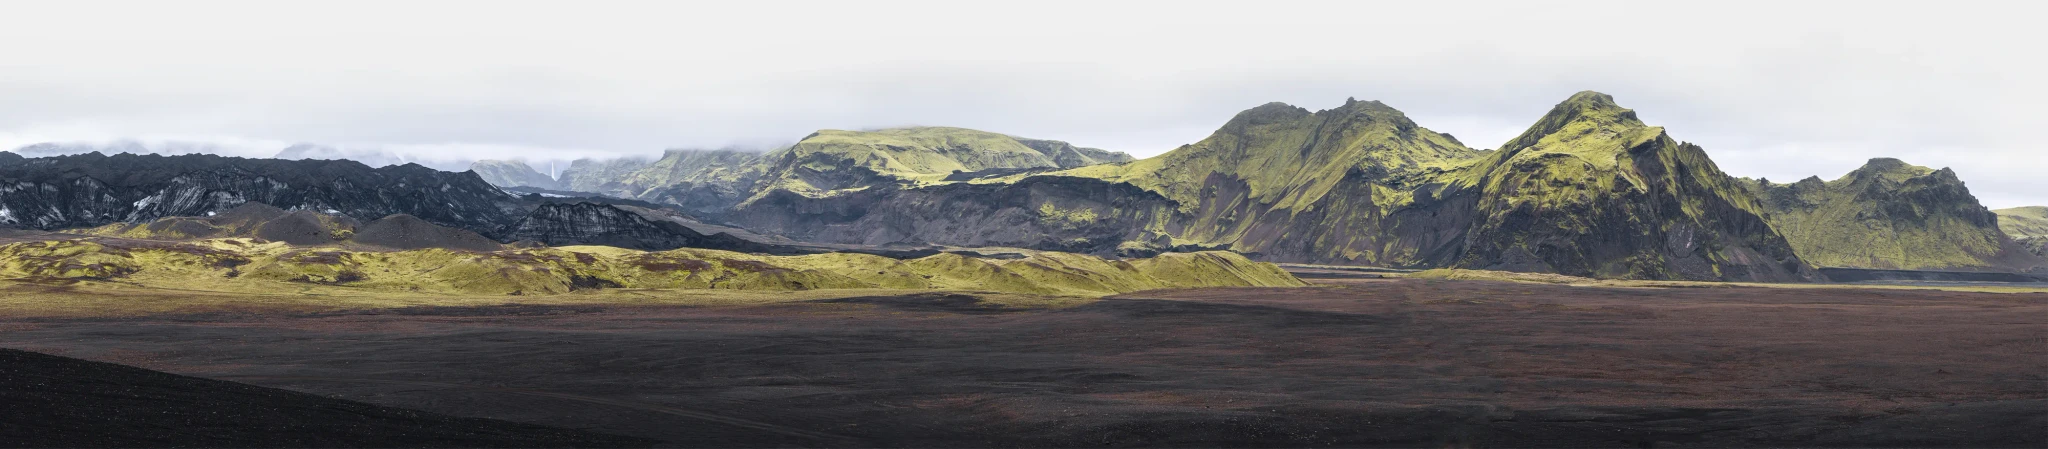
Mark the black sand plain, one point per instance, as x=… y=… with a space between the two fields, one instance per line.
x=1355 y=363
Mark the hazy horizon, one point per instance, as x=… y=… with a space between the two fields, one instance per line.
x=1809 y=89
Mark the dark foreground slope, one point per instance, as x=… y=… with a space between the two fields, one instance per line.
x=50 y=401
x=1402 y=363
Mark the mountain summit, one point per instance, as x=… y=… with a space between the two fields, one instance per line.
x=1590 y=189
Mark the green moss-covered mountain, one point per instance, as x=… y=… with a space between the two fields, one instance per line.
x=830 y=162
x=1891 y=215
x=1589 y=190
x=2027 y=225
x=824 y=164
x=1592 y=190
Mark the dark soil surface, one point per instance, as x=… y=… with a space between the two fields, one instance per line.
x=50 y=401
x=1402 y=363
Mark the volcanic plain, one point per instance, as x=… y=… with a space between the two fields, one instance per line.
x=1352 y=361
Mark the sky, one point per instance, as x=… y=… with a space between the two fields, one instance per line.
x=1782 y=90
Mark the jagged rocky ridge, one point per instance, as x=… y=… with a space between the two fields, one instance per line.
x=1892 y=215
x=308 y=201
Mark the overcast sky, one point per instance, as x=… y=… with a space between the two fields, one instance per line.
x=1778 y=89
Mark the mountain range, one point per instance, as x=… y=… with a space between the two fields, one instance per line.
x=1587 y=190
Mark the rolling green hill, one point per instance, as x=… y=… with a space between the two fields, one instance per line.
x=251 y=265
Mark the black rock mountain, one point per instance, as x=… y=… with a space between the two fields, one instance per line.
x=398 y=203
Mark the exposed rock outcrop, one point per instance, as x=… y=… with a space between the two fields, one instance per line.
x=584 y=223
x=504 y=173
x=93 y=190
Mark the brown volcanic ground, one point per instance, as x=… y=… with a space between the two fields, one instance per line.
x=1367 y=363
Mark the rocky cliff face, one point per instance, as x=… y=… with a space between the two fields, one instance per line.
x=582 y=223
x=92 y=190
x=600 y=176
x=1592 y=191
x=504 y=173
x=1891 y=215
x=1293 y=185
x=1068 y=214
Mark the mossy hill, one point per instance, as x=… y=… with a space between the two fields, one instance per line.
x=247 y=265
x=2027 y=225
x=1889 y=214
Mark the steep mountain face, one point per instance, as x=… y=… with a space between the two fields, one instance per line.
x=503 y=173
x=2027 y=225
x=92 y=190
x=1043 y=212
x=1326 y=186
x=703 y=181
x=1592 y=191
x=600 y=175
x=582 y=223
x=1891 y=215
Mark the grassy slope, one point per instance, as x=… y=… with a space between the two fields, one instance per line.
x=2021 y=222
x=1887 y=214
x=244 y=265
x=2028 y=225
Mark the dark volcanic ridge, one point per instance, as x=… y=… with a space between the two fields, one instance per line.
x=314 y=202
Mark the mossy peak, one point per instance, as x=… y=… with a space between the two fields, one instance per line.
x=1587 y=109
x=1890 y=169
x=1269 y=113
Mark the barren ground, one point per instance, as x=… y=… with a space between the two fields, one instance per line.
x=1363 y=363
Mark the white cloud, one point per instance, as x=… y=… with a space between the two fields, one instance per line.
x=1778 y=89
